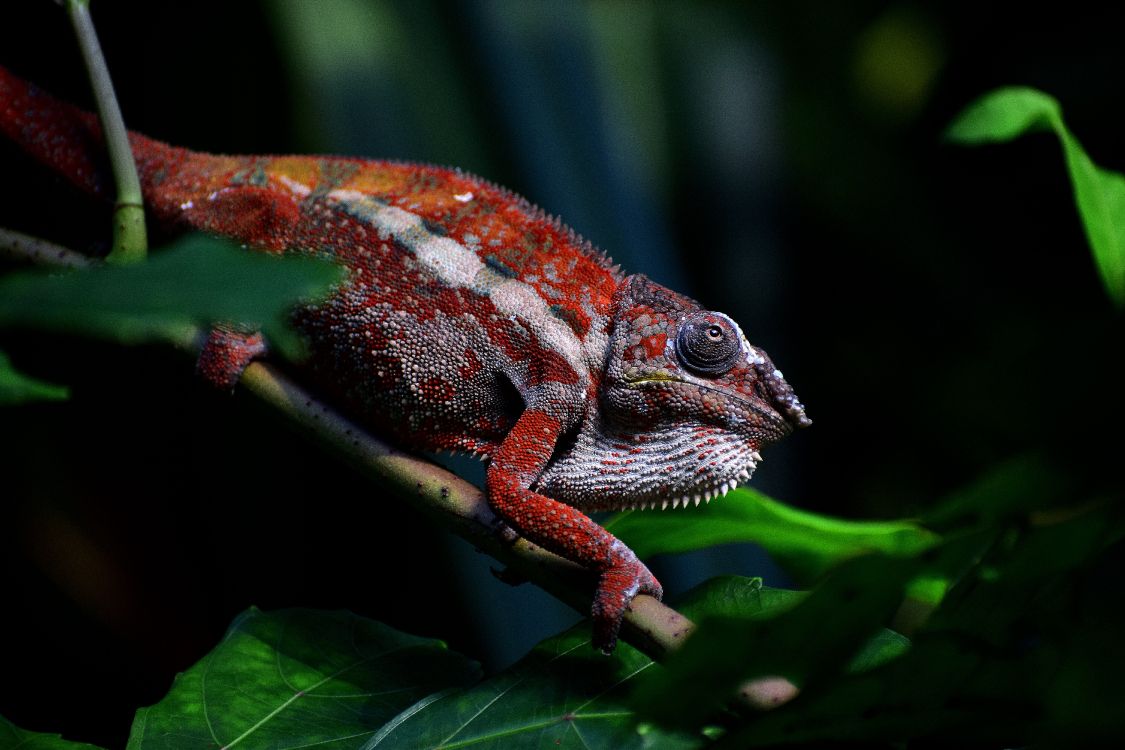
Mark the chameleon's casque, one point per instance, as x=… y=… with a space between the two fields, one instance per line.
x=472 y=321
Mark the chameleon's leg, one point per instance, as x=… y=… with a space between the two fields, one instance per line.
x=562 y=529
x=226 y=353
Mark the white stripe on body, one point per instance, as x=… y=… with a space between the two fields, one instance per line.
x=460 y=268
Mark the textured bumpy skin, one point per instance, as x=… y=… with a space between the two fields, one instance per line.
x=471 y=321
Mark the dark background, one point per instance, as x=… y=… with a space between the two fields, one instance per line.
x=935 y=307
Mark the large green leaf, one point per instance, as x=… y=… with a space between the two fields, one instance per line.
x=825 y=632
x=1011 y=489
x=14 y=738
x=735 y=596
x=17 y=388
x=563 y=694
x=199 y=281
x=1007 y=113
x=747 y=598
x=298 y=678
x=805 y=543
x=1020 y=651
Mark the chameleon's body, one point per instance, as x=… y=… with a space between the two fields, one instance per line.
x=471 y=321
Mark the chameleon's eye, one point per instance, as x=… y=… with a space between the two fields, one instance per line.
x=708 y=344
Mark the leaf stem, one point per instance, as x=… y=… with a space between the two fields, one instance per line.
x=130 y=242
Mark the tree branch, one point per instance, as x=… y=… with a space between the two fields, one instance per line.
x=461 y=507
x=25 y=247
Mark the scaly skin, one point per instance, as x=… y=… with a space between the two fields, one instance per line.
x=472 y=321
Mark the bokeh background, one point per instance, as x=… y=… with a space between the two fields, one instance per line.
x=935 y=307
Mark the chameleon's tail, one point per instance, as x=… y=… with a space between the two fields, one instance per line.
x=69 y=140
x=182 y=188
x=56 y=133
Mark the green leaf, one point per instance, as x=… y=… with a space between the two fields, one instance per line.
x=879 y=649
x=198 y=281
x=823 y=633
x=1016 y=639
x=806 y=544
x=17 y=388
x=1013 y=488
x=734 y=596
x=298 y=678
x=1100 y=195
x=562 y=694
x=741 y=597
x=1004 y=114
x=13 y=738
x=906 y=698
x=1007 y=113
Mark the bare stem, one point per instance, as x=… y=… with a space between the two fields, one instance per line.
x=130 y=242
x=25 y=247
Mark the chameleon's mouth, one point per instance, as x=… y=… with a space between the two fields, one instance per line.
x=781 y=418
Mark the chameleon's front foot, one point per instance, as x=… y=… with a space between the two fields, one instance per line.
x=618 y=585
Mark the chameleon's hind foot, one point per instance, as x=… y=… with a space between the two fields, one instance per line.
x=226 y=353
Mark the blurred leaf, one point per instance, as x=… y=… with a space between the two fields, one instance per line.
x=986 y=665
x=972 y=518
x=734 y=596
x=897 y=60
x=1013 y=579
x=1007 y=113
x=822 y=633
x=197 y=281
x=1013 y=488
x=1085 y=694
x=562 y=694
x=1004 y=114
x=17 y=388
x=929 y=589
x=12 y=737
x=806 y=544
x=298 y=678
x=738 y=596
x=879 y=649
x=906 y=698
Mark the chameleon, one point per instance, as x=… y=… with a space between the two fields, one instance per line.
x=471 y=321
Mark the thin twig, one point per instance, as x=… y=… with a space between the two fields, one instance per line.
x=130 y=242
x=25 y=247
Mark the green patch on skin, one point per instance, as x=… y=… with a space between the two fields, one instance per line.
x=657 y=377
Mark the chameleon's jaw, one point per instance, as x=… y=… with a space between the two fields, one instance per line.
x=671 y=467
x=706 y=495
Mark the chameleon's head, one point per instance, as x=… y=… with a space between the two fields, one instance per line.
x=686 y=402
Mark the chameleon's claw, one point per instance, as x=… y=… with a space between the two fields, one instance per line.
x=505 y=533
x=617 y=588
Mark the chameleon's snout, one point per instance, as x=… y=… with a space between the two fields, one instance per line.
x=783 y=399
